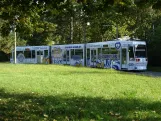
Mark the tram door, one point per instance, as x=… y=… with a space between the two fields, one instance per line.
x=93 y=57
x=66 y=57
x=41 y=54
x=124 y=58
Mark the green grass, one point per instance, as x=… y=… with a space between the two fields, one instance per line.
x=63 y=93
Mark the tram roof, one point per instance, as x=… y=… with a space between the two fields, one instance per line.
x=32 y=47
x=121 y=41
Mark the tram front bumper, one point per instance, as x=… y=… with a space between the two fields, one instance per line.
x=140 y=67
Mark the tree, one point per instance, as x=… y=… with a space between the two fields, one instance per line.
x=7 y=43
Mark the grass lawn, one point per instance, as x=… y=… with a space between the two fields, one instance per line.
x=63 y=93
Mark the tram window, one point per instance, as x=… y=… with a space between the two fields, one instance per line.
x=66 y=55
x=33 y=53
x=79 y=52
x=141 y=47
x=124 y=56
x=39 y=52
x=88 y=53
x=18 y=52
x=105 y=51
x=93 y=55
x=140 y=51
x=72 y=52
x=99 y=53
x=113 y=51
x=131 y=53
x=27 y=54
x=105 y=46
x=115 y=54
x=45 y=53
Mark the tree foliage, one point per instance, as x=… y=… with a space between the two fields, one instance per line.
x=44 y=22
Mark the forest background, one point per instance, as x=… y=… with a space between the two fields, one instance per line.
x=47 y=22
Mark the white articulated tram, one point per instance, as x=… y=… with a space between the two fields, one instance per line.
x=71 y=54
x=31 y=54
x=120 y=55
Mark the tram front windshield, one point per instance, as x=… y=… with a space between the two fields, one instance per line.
x=140 y=51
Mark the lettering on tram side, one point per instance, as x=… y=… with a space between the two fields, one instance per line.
x=58 y=61
x=76 y=46
x=95 y=46
x=40 y=48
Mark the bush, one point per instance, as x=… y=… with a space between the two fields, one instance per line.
x=4 y=57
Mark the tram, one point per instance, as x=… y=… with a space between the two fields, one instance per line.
x=120 y=55
x=31 y=54
x=116 y=54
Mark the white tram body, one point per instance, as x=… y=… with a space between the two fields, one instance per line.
x=31 y=54
x=120 y=55
x=71 y=54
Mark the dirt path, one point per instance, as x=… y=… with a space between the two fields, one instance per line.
x=150 y=73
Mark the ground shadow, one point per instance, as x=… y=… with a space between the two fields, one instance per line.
x=70 y=108
x=146 y=73
x=110 y=72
